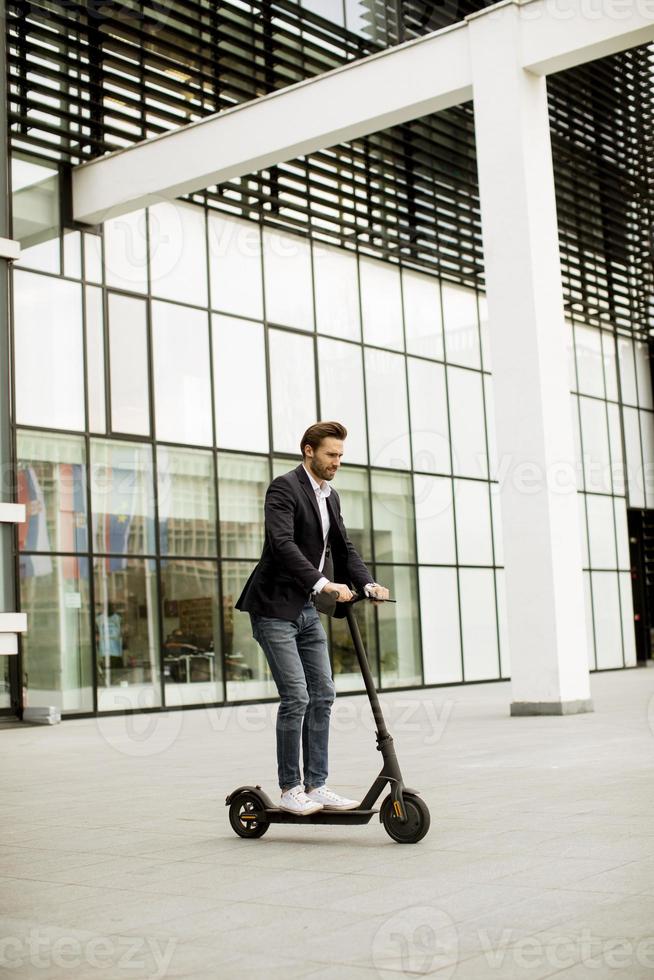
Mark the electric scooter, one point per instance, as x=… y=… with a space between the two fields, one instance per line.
x=403 y=812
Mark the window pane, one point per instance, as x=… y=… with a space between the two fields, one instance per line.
x=647 y=436
x=434 y=520
x=246 y=669
x=430 y=437
x=615 y=438
x=352 y=487
x=191 y=632
x=610 y=373
x=439 y=612
x=48 y=351
x=330 y=9
x=460 y=319
x=381 y=304
x=337 y=292
x=57 y=661
x=95 y=359
x=627 y=370
x=126 y=252
x=398 y=628
x=128 y=365
x=241 y=410
x=5 y=682
x=72 y=255
x=341 y=393
x=52 y=485
x=388 y=420
x=422 y=314
x=235 y=266
x=289 y=292
x=634 y=462
x=242 y=483
x=127 y=634
x=467 y=422
x=187 y=507
x=622 y=532
x=644 y=374
x=628 y=634
x=178 y=252
x=473 y=522
x=590 y=369
x=182 y=386
x=92 y=257
x=393 y=517
x=590 y=626
x=122 y=500
x=601 y=531
x=293 y=389
x=479 y=624
x=595 y=440
x=608 y=625
x=35 y=214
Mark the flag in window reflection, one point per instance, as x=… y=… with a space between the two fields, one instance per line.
x=73 y=534
x=116 y=521
x=33 y=533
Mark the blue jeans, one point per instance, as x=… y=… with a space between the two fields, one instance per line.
x=296 y=652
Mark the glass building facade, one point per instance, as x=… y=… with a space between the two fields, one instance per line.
x=166 y=363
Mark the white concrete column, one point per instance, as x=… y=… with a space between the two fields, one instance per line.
x=544 y=585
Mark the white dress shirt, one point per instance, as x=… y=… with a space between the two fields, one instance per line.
x=322 y=491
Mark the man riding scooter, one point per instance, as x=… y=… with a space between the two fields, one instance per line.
x=308 y=565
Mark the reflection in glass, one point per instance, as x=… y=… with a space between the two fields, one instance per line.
x=35 y=213
x=422 y=314
x=293 y=388
x=48 y=349
x=187 y=503
x=388 y=419
x=95 y=359
x=393 y=516
x=126 y=634
x=241 y=409
x=647 y=436
x=57 y=662
x=235 y=266
x=398 y=627
x=634 y=460
x=126 y=252
x=341 y=393
x=381 y=304
x=122 y=500
x=51 y=478
x=242 y=483
x=128 y=364
x=352 y=487
x=461 y=322
x=246 y=669
x=182 y=385
x=441 y=635
x=5 y=682
x=347 y=674
x=178 y=252
x=337 y=292
x=287 y=268
x=191 y=632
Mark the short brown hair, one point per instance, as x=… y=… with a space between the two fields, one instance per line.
x=319 y=431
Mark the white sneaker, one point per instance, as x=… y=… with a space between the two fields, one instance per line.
x=295 y=800
x=331 y=800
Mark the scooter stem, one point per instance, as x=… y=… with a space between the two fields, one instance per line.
x=382 y=731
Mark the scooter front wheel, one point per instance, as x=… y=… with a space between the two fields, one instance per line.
x=416 y=825
x=243 y=816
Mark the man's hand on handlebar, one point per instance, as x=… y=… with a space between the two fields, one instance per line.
x=378 y=593
x=344 y=593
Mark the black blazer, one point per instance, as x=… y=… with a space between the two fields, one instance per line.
x=283 y=579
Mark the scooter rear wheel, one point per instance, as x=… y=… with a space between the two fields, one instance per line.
x=417 y=822
x=243 y=816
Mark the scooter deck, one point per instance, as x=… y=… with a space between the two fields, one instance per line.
x=275 y=815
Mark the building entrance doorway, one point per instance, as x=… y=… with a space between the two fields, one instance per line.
x=8 y=685
x=641 y=553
